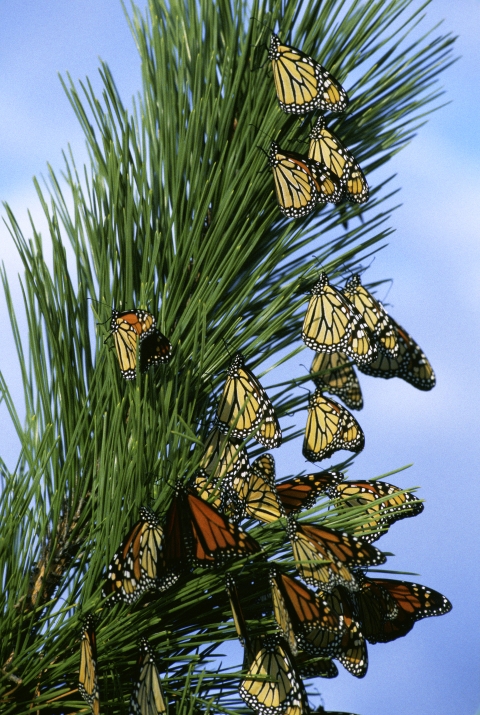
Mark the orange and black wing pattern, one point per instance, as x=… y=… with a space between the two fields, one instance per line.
x=374 y=314
x=388 y=609
x=325 y=557
x=256 y=493
x=327 y=148
x=332 y=324
x=139 y=563
x=330 y=427
x=303 y=617
x=147 y=696
x=243 y=406
x=301 y=183
x=302 y=84
x=281 y=687
x=155 y=348
x=386 y=505
x=335 y=374
x=197 y=534
x=127 y=328
x=88 y=678
x=411 y=364
x=302 y=492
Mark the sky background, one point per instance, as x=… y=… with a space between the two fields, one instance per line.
x=434 y=259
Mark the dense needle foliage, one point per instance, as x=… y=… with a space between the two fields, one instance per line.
x=176 y=214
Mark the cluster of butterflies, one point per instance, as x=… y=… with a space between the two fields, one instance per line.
x=334 y=621
x=329 y=172
x=335 y=609
x=345 y=327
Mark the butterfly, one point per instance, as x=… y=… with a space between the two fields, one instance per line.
x=139 y=563
x=352 y=649
x=313 y=667
x=330 y=427
x=256 y=494
x=387 y=504
x=374 y=314
x=388 y=609
x=332 y=324
x=223 y=457
x=334 y=373
x=299 y=612
x=302 y=84
x=127 y=329
x=244 y=404
x=197 y=534
x=301 y=492
x=314 y=545
x=327 y=148
x=301 y=183
x=411 y=364
x=281 y=688
x=147 y=697
x=87 y=678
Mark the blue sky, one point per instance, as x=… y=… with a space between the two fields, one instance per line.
x=434 y=260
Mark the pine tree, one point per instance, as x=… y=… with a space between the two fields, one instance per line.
x=176 y=214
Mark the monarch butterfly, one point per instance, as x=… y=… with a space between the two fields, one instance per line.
x=257 y=494
x=411 y=364
x=387 y=504
x=147 y=697
x=327 y=148
x=299 y=612
x=223 y=457
x=154 y=349
x=196 y=533
x=330 y=427
x=127 y=329
x=87 y=678
x=373 y=312
x=237 y=613
x=281 y=689
x=388 y=609
x=312 y=667
x=244 y=404
x=139 y=564
x=352 y=649
x=301 y=492
x=312 y=545
x=332 y=324
x=302 y=84
x=300 y=183
x=333 y=373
